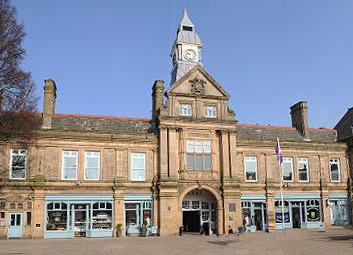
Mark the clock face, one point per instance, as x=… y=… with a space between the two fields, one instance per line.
x=190 y=54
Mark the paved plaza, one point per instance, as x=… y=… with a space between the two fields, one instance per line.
x=296 y=241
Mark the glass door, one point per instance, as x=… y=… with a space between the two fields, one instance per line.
x=15 y=225
x=132 y=218
x=80 y=219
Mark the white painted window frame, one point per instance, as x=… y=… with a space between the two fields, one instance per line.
x=144 y=168
x=62 y=165
x=183 y=111
x=88 y=168
x=339 y=169
x=292 y=167
x=211 y=109
x=245 y=170
x=205 y=143
x=11 y=158
x=307 y=170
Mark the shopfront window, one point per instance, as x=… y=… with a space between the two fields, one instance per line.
x=313 y=210
x=138 y=216
x=278 y=205
x=102 y=215
x=147 y=213
x=56 y=216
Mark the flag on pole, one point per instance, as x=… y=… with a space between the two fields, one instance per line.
x=279 y=152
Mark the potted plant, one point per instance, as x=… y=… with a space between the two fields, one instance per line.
x=119 y=227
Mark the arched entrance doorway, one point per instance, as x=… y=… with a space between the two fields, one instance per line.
x=199 y=212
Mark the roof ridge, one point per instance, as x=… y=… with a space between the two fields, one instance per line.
x=98 y=116
x=284 y=127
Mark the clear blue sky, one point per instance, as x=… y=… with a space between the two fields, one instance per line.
x=268 y=54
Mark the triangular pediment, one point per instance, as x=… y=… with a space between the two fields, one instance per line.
x=197 y=82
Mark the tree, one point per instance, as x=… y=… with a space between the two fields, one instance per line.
x=19 y=120
x=18 y=117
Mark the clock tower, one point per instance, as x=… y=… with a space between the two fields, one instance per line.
x=186 y=50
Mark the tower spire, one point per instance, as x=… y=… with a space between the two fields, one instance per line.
x=186 y=50
x=186 y=20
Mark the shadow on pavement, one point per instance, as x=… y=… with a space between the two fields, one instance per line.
x=341 y=237
x=223 y=243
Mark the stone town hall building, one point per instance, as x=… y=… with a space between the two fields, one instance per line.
x=192 y=165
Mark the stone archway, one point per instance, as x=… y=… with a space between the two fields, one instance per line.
x=202 y=205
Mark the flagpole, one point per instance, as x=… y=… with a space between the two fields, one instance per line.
x=283 y=221
x=280 y=166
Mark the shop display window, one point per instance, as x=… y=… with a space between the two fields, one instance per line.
x=102 y=215
x=278 y=205
x=313 y=210
x=56 y=216
x=132 y=215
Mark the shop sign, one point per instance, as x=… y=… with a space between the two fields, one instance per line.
x=279 y=217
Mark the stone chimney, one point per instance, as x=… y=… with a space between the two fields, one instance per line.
x=299 y=114
x=49 y=103
x=157 y=97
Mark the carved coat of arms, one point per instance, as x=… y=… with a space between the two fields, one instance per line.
x=197 y=86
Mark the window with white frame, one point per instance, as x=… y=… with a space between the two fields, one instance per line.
x=205 y=215
x=138 y=166
x=69 y=165
x=92 y=165
x=287 y=169
x=335 y=169
x=195 y=204
x=251 y=168
x=185 y=110
x=210 y=111
x=2 y=219
x=205 y=205
x=18 y=164
x=303 y=169
x=198 y=154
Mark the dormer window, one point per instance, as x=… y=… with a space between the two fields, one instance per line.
x=210 y=111
x=187 y=28
x=185 y=110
